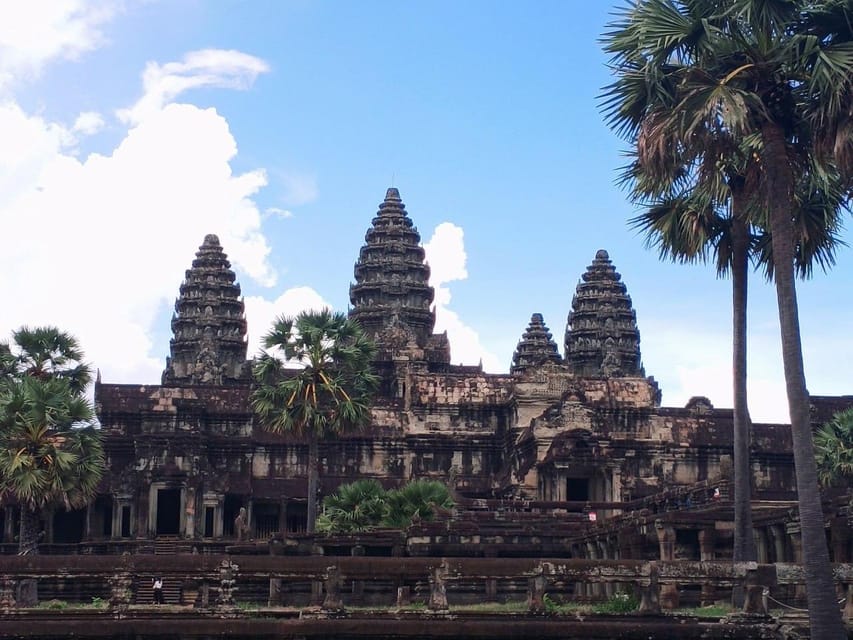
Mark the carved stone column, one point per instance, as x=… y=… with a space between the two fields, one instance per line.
x=594 y=589
x=707 y=542
x=796 y=545
x=332 y=586
x=357 y=585
x=7 y=593
x=536 y=586
x=666 y=542
x=438 y=588
x=650 y=591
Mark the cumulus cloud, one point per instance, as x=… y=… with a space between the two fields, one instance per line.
x=34 y=32
x=87 y=123
x=445 y=253
x=99 y=244
x=221 y=68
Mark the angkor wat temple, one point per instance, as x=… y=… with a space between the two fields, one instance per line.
x=565 y=455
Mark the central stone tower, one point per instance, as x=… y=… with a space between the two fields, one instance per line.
x=602 y=338
x=391 y=297
x=209 y=324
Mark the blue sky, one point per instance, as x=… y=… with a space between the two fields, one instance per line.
x=279 y=125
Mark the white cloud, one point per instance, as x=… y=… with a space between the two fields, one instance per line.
x=226 y=69
x=36 y=31
x=445 y=253
x=88 y=122
x=99 y=244
x=260 y=312
x=278 y=213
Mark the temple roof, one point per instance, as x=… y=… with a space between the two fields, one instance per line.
x=535 y=348
x=209 y=325
x=391 y=290
x=602 y=338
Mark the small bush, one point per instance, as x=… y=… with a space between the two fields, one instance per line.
x=621 y=602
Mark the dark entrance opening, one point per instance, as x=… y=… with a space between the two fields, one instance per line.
x=231 y=508
x=125 y=521
x=68 y=526
x=102 y=517
x=208 y=521
x=168 y=512
x=687 y=544
x=577 y=489
x=266 y=515
x=296 y=517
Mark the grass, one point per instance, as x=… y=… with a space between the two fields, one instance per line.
x=711 y=611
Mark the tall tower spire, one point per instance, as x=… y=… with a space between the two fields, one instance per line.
x=535 y=348
x=602 y=338
x=209 y=324
x=391 y=278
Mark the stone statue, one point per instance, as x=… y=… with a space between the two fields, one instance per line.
x=241 y=525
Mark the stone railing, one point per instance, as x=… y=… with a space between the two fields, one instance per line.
x=222 y=581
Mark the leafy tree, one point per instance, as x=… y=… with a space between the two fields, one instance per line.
x=773 y=76
x=50 y=453
x=355 y=507
x=417 y=500
x=834 y=450
x=329 y=394
x=364 y=505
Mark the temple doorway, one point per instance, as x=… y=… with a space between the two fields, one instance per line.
x=577 y=489
x=101 y=517
x=168 y=512
x=69 y=526
x=230 y=508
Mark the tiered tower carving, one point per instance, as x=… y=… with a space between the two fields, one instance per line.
x=209 y=324
x=391 y=296
x=535 y=348
x=602 y=338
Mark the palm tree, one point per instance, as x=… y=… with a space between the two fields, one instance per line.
x=417 y=500
x=47 y=352
x=834 y=450
x=354 y=507
x=50 y=453
x=776 y=73
x=328 y=395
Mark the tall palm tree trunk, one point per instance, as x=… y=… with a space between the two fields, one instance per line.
x=824 y=615
x=744 y=542
x=313 y=480
x=28 y=539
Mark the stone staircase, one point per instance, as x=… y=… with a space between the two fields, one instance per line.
x=170 y=545
x=144 y=593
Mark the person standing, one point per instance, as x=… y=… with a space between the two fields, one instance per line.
x=158 y=590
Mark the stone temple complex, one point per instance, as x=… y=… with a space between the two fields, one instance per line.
x=566 y=455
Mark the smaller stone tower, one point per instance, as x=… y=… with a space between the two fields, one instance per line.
x=602 y=338
x=209 y=324
x=535 y=348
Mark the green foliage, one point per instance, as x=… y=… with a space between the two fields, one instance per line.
x=315 y=378
x=50 y=451
x=353 y=508
x=55 y=605
x=834 y=450
x=99 y=603
x=417 y=500
x=622 y=602
x=364 y=505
